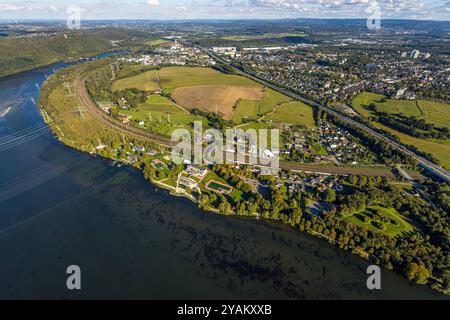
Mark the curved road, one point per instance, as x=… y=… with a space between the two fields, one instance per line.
x=428 y=165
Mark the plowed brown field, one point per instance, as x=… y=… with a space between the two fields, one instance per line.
x=214 y=98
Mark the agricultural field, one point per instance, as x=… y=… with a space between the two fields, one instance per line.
x=436 y=112
x=432 y=112
x=233 y=97
x=158 y=42
x=296 y=113
x=245 y=110
x=246 y=37
x=440 y=149
x=271 y=99
x=406 y=107
x=381 y=220
x=146 y=81
x=175 y=77
x=215 y=98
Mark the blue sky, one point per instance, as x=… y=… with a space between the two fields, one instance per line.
x=224 y=9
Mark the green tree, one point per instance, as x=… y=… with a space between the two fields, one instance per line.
x=329 y=195
x=417 y=273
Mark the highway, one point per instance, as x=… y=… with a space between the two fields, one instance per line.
x=424 y=163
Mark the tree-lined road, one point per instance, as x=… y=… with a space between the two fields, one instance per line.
x=426 y=164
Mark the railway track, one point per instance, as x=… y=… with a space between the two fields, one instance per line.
x=114 y=124
x=110 y=122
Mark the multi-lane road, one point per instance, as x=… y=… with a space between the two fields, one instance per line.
x=426 y=164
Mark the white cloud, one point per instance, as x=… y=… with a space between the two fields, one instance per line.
x=11 y=7
x=53 y=9
x=153 y=2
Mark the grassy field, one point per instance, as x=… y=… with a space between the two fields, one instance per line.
x=176 y=77
x=234 y=97
x=246 y=37
x=293 y=112
x=436 y=112
x=406 y=107
x=146 y=81
x=245 y=109
x=433 y=112
x=158 y=103
x=158 y=42
x=162 y=116
x=439 y=149
x=381 y=220
x=220 y=99
x=271 y=99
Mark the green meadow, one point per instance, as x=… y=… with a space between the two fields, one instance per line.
x=295 y=112
x=381 y=220
x=433 y=112
x=161 y=115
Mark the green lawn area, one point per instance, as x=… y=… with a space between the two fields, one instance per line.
x=176 y=77
x=146 y=81
x=436 y=112
x=381 y=220
x=246 y=37
x=440 y=149
x=236 y=194
x=157 y=102
x=157 y=111
x=319 y=150
x=294 y=113
x=252 y=109
x=406 y=107
x=246 y=109
x=271 y=99
x=157 y=42
x=171 y=182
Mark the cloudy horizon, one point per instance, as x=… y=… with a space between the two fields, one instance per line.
x=225 y=9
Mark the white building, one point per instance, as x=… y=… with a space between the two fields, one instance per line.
x=414 y=54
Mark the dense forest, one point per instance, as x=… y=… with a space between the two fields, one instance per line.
x=19 y=54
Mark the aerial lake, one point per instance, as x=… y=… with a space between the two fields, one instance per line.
x=59 y=207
